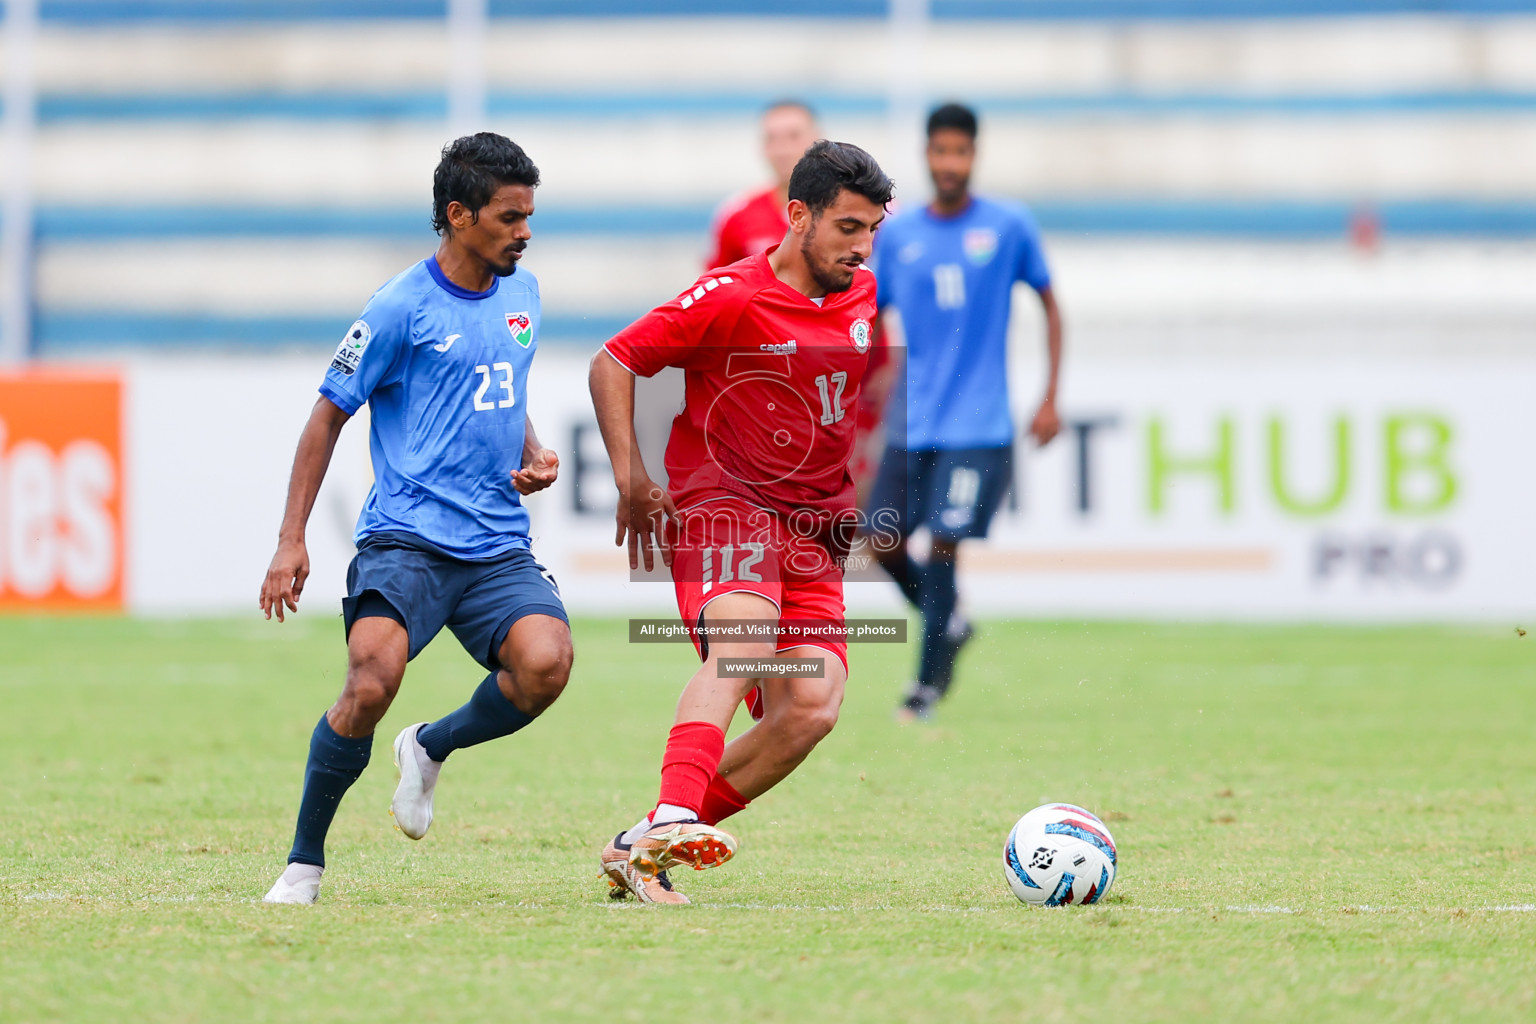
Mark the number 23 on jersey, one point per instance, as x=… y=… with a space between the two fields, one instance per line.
x=488 y=374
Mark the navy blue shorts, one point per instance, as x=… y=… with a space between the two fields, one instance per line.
x=954 y=492
x=428 y=589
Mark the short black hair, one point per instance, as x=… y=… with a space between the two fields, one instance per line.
x=473 y=168
x=793 y=104
x=953 y=115
x=828 y=168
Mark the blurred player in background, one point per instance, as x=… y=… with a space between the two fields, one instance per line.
x=755 y=221
x=750 y=223
x=441 y=355
x=759 y=509
x=949 y=271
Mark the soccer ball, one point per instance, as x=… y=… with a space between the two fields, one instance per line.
x=1059 y=854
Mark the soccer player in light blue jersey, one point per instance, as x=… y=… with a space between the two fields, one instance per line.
x=441 y=356
x=949 y=270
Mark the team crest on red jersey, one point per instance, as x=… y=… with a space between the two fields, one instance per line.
x=859 y=332
x=521 y=326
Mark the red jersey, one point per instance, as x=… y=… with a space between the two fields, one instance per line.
x=746 y=226
x=771 y=388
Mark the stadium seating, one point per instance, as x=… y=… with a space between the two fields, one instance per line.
x=245 y=175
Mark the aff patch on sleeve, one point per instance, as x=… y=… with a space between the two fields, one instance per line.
x=349 y=354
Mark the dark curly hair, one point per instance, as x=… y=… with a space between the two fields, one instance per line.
x=472 y=169
x=829 y=167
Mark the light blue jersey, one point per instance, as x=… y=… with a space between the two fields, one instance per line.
x=444 y=371
x=952 y=279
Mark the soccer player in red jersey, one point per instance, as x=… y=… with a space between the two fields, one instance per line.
x=759 y=507
x=748 y=224
x=755 y=221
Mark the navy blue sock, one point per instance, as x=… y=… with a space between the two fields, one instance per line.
x=335 y=762
x=909 y=577
x=939 y=598
x=487 y=716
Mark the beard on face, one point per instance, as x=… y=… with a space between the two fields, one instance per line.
x=508 y=268
x=829 y=276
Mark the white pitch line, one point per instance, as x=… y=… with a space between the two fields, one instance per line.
x=1232 y=909
x=60 y=897
x=1521 y=908
x=799 y=908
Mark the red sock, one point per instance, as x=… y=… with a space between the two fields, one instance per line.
x=693 y=753
x=721 y=801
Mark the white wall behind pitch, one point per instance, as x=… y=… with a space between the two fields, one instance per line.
x=210 y=443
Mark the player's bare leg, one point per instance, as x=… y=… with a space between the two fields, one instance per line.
x=538 y=650
x=797 y=715
x=537 y=655
x=377 y=651
x=676 y=833
x=706 y=707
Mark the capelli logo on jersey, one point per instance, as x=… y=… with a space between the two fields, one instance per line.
x=786 y=349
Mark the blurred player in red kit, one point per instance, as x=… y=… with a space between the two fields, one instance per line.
x=751 y=222
x=759 y=508
x=754 y=221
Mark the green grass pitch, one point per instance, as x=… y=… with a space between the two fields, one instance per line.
x=1320 y=824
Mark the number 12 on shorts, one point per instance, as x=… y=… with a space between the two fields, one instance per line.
x=722 y=558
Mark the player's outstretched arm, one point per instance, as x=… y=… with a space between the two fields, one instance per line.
x=1047 y=423
x=540 y=465
x=643 y=503
x=290 y=565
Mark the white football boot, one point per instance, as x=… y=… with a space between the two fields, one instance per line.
x=299 y=883
x=412 y=805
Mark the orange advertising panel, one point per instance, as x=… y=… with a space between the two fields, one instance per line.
x=61 y=491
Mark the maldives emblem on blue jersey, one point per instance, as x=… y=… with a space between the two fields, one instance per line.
x=521 y=326
x=859 y=332
x=980 y=245
x=350 y=352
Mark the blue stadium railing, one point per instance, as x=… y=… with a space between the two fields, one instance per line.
x=1095 y=10
x=1110 y=216
x=433 y=105
x=62 y=330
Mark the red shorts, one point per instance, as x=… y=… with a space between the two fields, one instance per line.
x=727 y=546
